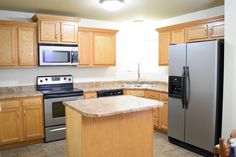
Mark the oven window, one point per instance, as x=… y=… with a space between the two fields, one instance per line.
x=58 y=109
x=56 y=56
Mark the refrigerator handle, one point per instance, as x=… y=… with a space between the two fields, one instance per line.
x=187 y=87
x=183 y=88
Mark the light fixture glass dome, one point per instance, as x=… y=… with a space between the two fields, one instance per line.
x=112 y=5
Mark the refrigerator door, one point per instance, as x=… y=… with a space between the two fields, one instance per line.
x=176 y=112
x=201 y=110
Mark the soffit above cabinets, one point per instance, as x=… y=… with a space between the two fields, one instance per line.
x=132 y=9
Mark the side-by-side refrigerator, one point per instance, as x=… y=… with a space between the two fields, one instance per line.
x=195 y=95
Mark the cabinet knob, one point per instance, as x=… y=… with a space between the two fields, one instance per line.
x=0 y=106
x=17 y=114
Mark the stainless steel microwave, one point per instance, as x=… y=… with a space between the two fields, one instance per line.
x=58 y=55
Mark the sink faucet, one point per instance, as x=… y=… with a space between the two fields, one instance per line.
x=139 y=75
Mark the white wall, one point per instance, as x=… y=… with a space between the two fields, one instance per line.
x=136 y=43
x=229 y=105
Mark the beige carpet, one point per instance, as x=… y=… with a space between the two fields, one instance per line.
x=162 y=148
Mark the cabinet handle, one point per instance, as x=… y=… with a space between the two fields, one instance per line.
x=17 y=114
x=61 y=36
x=56 y=36
x=0 y=107
x=24 y=112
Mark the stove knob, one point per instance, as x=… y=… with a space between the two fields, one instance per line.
x=69 y=79
x=46 y=79
x=41 y=81
x=64 y=78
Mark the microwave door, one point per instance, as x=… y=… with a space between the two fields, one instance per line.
x=56 y=57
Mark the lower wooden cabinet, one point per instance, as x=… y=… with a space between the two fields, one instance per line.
x=21 y=120
x=134 y=92
x=32 y=118
x=10 y=122
x=90 y=95
x=163 y=115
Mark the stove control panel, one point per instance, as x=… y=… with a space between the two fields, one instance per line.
x=54 y=79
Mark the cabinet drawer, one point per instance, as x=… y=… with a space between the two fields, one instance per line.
x=8 y=104
x=163 y=97
x=138 y=93
x=90 y=95
x=151 y=95
x=32 y=101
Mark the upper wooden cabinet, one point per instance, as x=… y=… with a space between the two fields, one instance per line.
x=216 y=29
x=178 y=36
x=18 y=42
x=8 y=45
x=196 y=33
x=164 y=41
x=201 y=30
x=97 y=47
x=57 y=29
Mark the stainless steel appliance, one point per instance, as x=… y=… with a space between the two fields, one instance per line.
x=112 y=92
x=195 y=95
x=58 y=54
x=56 y=89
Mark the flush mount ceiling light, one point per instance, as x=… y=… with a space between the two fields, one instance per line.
x=112 y=5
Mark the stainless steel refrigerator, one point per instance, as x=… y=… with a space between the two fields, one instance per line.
x=195 y=95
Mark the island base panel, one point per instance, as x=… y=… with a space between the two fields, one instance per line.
x=123 y=135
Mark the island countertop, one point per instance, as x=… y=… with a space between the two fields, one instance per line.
x=109 y=106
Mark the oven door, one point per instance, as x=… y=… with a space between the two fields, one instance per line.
x=54 y=110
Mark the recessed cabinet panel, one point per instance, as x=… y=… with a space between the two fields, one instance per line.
x=69 y=32
x=196 y=33
x=216 y=29
x=178 y=36
x=164 y=41
x=8 y=45
x=85 y=48
x=27 y=40
x=49 y=31
x=104 y=49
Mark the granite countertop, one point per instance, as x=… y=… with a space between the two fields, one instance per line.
x=21 y=94
x=109 y=106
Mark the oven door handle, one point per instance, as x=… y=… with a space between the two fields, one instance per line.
x=59 y=129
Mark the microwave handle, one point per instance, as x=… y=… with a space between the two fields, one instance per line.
x=71 y=56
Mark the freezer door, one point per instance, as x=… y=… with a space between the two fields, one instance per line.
x=176 y=114
x=201 y=111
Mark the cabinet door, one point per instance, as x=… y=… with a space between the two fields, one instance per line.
x=104 y=49
x=49 y=31
x=216 y=29
x=8 y=45
x=69 y=32
x=33 y=118
x=197 y=33
x=85 y=48
x=10 y=122
x=27 y=44
x=164 y=41
x=164 y=112
x=177 y=36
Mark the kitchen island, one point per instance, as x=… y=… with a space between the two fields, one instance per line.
x=119 y=126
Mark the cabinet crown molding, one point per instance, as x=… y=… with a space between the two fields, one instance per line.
x=39 y=16
x=90 y=29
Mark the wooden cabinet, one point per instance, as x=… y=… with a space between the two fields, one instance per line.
x=197 y=33
x=178 y=36
x=163 y=124
x=90 y=95
x=18 y=42
x=27 y=46
x=104 y=48
x=97 y=47
x=216 y=29
x=85 y=48
x=8 y=45
x=33 y=118
x=49 y=31
x=164 y=41
x=10 y=122
x=21 y=120
x=201 y=30
x=57 y=29
x=134 y=92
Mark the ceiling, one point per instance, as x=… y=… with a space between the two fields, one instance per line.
x=132 y=9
